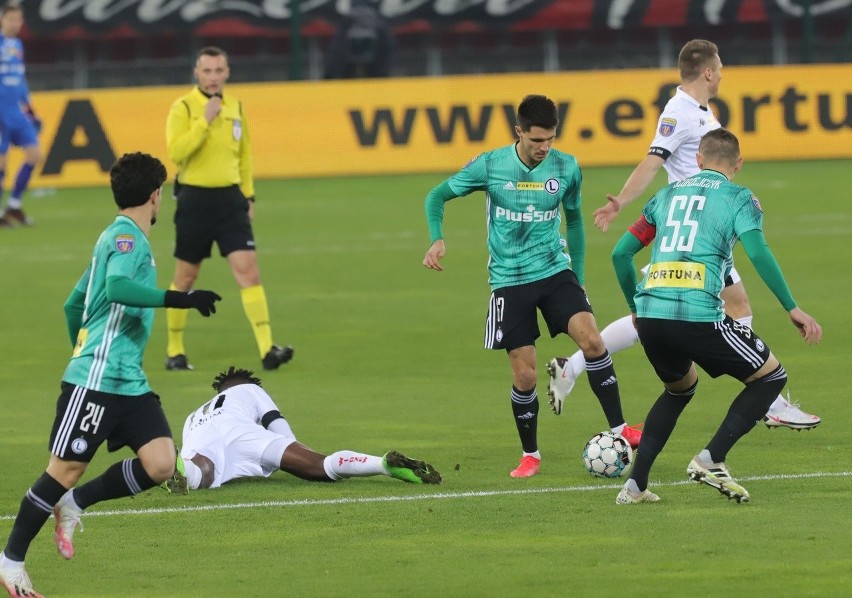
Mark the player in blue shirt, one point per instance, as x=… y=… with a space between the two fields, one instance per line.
x=19 y=125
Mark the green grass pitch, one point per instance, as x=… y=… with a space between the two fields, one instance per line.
x=388 y=356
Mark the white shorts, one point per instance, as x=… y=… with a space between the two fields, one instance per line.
x=227 y=430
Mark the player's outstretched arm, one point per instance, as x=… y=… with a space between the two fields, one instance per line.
x=120 y=289
x=203 y=301
x=432 y=259
x=808 y=327
x=637 y=182
x=767 y=267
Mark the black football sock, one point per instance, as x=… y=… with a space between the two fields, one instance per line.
x=604 y=384
x=659 y=425
x=747 y=409
x=124 y=478
x=525 y=409
x=36 y=507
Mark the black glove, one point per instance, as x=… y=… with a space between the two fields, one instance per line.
x=203 y=301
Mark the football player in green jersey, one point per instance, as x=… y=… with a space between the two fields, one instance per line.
x=528 y=185
x=679 y=313
x=105 y=395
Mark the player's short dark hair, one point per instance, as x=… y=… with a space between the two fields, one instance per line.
x=720 y=145
x=694 y=56
x=211 y=51
x=537 y=111
x=232 y=377
x=134 y=177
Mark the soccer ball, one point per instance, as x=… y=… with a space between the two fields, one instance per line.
x=607 y=455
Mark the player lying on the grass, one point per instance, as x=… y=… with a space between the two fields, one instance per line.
x=679 y=313
x=241 y=433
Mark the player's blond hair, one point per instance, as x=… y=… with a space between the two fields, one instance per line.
x=694 y=56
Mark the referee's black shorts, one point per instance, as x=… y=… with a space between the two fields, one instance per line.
x=205 y=215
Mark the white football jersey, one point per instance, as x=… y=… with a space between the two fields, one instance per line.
x=227 y=430
x=679 y=130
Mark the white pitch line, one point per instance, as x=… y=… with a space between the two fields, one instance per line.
x=432 y=496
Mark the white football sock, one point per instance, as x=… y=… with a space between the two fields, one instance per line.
x=577 y=363
x=618 y=335
x=746 y=320
x=9 y=563
x=349 y=464
x=193 y=474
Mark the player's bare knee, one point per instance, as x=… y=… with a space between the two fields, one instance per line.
x=160 y=471
x=525 y=379
x=767 y=368
x=592 y=346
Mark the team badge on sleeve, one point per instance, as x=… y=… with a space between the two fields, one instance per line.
x=756 y=202
x=124 y=243
x=667 y=126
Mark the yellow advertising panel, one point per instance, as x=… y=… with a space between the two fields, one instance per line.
x=327 y=128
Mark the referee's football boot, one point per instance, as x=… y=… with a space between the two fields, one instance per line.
x=276 y=356
x=716 y=475
x=67 y=516
x=13 y=577
x=178 y=362
x=410 y=470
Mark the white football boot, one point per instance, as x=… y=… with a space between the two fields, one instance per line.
x=783 y=413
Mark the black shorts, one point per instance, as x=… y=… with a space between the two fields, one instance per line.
x=205 y=215
x=512 y=320
x=725 y=347
x=86 y=418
